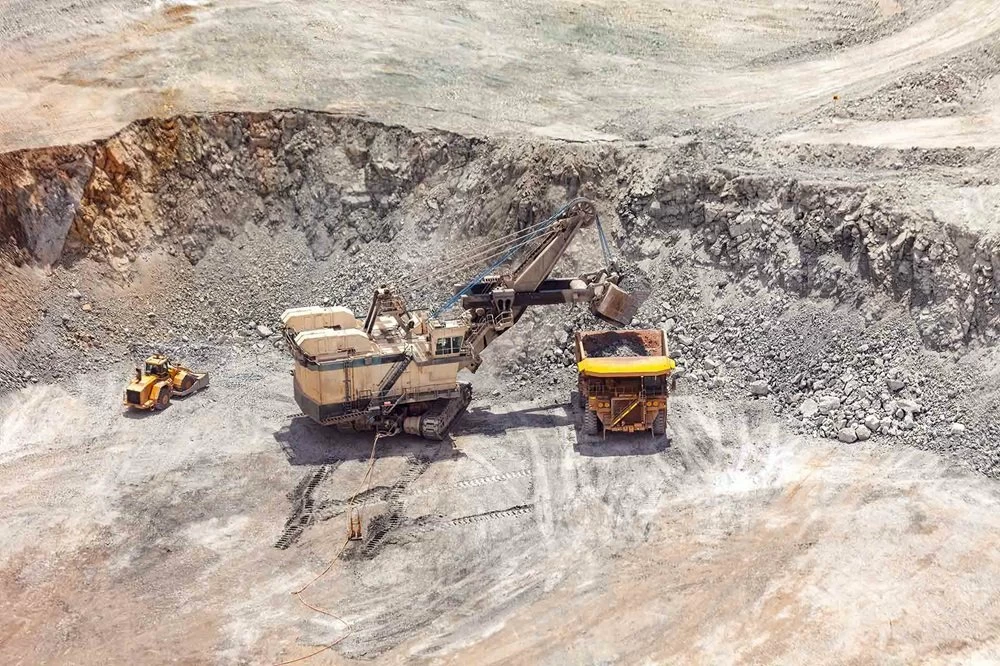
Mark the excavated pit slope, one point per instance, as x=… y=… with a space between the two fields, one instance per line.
x=180 y=183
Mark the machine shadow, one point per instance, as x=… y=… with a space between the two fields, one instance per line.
x=483 y=421
x=619 y=444
x=305 y=442
x=140 y=413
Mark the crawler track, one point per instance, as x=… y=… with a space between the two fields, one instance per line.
x=380 y=527
x=303 y=506
x=512 y=512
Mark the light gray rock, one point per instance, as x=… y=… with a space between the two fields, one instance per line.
x=808 y=408
x=872 y=423
x=760 y=387
x=828 y=403
x=895 y=385
x=847 y=435
x=264 y=331
x=75 y=293
x=957 y=428
x=862 y=433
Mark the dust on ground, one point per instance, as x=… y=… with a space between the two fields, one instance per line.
x=593 y=71
x=735 y=543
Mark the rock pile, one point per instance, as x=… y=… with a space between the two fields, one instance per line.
x=621 y=344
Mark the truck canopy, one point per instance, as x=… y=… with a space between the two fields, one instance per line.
x=639 y=366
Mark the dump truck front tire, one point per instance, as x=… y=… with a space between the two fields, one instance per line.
x=591 y=424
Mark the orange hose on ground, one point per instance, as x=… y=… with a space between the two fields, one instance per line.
x=297 y=594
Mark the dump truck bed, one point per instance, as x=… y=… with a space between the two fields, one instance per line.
x=644 y=343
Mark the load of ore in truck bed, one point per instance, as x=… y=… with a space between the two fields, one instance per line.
x=622 y=344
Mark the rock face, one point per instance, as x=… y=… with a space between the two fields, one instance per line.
x=189 y=180
x=811 y=240
x=40 y=196
x=192 y=179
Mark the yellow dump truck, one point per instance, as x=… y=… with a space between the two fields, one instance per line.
x=624 y=380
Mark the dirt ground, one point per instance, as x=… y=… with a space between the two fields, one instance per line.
x=590 y=70
x=809 y=189
x=731 y=545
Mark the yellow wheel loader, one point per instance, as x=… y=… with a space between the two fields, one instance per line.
x=160 y=379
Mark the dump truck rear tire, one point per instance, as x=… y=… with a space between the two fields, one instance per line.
x=591 y=424
x=660 y=423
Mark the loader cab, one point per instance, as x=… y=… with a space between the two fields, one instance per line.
x=156 y=366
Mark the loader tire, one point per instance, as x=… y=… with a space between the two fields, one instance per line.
x=163 y=399
x=660 y=423
x=591 y=424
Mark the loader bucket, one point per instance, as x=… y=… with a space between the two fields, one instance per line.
x=617 y=305
x=201 y=381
